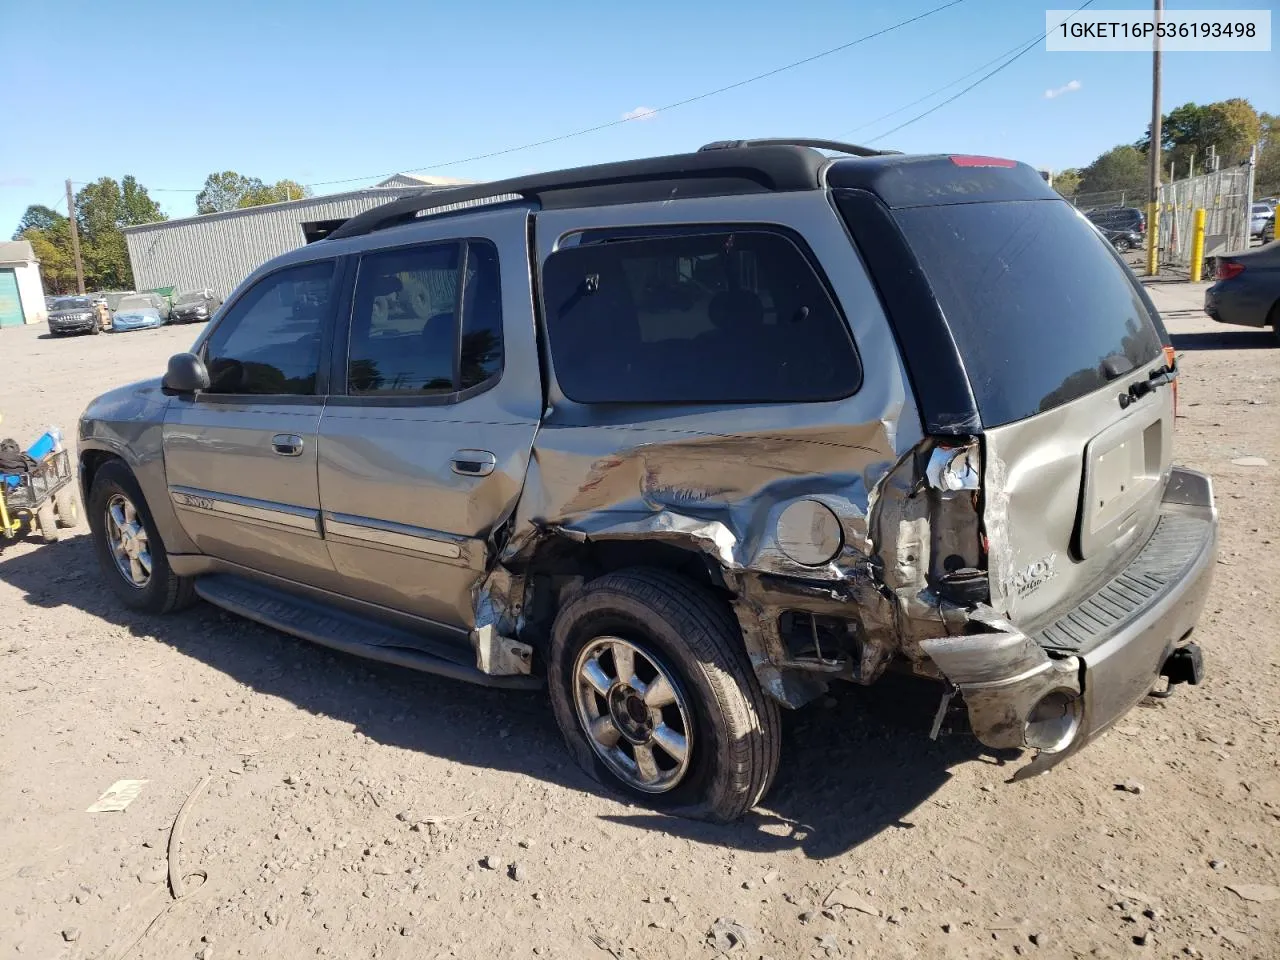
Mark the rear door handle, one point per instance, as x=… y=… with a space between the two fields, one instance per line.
x=287 y=444
x=473 y=463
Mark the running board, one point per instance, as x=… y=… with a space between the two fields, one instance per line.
x=335 y=628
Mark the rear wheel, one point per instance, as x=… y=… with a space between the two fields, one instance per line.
x=654 y=695
x=129 y=548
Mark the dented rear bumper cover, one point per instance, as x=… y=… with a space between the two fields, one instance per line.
x=1099 y=658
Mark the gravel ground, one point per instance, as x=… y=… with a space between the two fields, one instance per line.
x=355 y=810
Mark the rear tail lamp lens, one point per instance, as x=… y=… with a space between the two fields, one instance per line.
x=1228 y=269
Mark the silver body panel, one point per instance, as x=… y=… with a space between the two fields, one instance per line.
x=368 y=512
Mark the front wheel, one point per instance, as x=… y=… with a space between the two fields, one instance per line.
x=655 y=696
x=129 y=548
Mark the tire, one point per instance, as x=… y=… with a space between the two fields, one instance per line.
x=162 y=590
x=1273 y=321
x=67 y=507
x=732 y=733
x=96 y=329
x=47 y=521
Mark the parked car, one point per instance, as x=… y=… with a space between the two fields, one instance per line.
x=1259 y=216
x=113 y=297
x=687 y=440
x=73 y=315
x=137 y=312
x=1124 y=239
x=1269 y=231
x=1114 y=219
x=194 y=306
x=1247 y=289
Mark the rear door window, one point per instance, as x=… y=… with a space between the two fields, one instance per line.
x=1041 y=310
x=699 y=316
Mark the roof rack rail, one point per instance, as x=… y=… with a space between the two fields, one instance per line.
x=767 y=167
x=835 y=145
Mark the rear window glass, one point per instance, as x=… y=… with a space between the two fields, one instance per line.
x=698 y=317
x=1036 y=301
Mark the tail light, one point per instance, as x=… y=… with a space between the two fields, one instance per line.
x=1171 y=359
x=1228 y=269
x=1142 y=226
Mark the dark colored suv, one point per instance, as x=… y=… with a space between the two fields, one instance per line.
x=687 y=440
x=1119 y=219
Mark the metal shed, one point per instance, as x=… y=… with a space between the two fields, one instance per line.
x=218 y=250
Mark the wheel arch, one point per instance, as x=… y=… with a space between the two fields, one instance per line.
x=150 y=476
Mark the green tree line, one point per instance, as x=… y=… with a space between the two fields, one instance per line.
x=103 y=208
x=1230 y=127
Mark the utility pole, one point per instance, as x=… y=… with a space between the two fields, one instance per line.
x=1153 y=202
x=75 y=238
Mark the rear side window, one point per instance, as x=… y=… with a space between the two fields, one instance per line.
x=718 y=316
x=1038 y=304
x=407 y=338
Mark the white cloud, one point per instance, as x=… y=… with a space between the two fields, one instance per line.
x=1070 y=87
x=640 y=113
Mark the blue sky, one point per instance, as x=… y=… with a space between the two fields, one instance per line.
x=320 y=91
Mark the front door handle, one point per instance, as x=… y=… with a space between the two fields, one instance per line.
x=473 y=463
x=287 y=444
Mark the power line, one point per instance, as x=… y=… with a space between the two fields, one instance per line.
x=985 y=77
x=930 y=95
x=670 y=106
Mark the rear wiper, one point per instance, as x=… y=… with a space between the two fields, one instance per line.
x=1158 y=378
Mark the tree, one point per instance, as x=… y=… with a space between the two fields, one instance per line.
x=39 y=217
x=225 y=191
x=1229 y=127
x=1120 y=168
x=229 y=190
x=103 y=208
x=1067 y=182
x=1267 y=175
x=277 y=192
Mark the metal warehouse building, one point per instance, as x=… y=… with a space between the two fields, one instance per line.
x=218 y=250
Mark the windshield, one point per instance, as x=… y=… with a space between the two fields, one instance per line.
x=135 y=303
x=1037 y=302
x=190 y=296
x=1261 y=208
x=72 y=303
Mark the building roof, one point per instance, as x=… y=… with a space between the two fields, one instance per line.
x=16 y=251
x=417 y=179
x=300 y=206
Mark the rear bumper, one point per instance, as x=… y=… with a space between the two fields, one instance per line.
x=1104 y=655
x=1229 y=301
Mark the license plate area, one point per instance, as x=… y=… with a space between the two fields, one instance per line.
x=1124 y=466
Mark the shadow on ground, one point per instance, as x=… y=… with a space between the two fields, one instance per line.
x=1230 y=339
x=851 y=769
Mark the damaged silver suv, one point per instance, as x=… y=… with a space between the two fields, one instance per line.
x=686 y=440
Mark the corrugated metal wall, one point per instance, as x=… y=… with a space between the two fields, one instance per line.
x=221 y=249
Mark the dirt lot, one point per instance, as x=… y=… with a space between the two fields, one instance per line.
x=355 y=810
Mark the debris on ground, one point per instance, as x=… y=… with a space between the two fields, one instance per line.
x=1255 y=892
x=118 y=796
x=844 y=896
x=726 y=935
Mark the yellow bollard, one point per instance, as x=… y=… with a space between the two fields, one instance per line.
x=1153 y=239
x=1197 y=245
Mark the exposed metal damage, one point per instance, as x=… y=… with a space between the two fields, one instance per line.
x=908 y=527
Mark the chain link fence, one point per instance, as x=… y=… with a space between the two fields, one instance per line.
x=1225 y=196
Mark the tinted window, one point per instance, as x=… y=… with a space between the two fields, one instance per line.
x=714 y=317
x=481 y=317
x=269 y=342
x=1035 y=299
x=73 y=303
x=404 y=322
